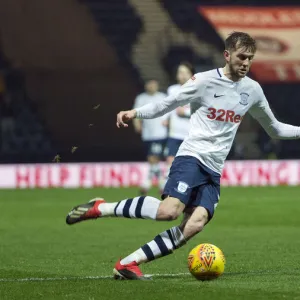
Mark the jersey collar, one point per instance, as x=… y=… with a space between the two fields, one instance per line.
x=222 y=75
x=220 y=72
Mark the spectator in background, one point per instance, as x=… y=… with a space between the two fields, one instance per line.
x=179 y=119
x=153 y=133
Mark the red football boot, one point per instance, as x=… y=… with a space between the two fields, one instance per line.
x=85 y=211
x=128 y=272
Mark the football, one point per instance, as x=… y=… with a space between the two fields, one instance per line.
x=206 y=262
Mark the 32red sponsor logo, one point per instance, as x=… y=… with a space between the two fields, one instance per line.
x=224 y=115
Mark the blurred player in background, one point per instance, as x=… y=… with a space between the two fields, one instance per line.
x=219 y=100
x=153 y=133
x=179 y=119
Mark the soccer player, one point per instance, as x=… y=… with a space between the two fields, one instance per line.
x=153 y=132
x=179 y=119
x=219 y=99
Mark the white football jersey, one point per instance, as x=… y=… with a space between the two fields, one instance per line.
x=178 y=126
x=218 y=106
x=152 y=129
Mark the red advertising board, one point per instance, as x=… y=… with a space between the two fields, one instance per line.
x=276 y=30
x=236 y=173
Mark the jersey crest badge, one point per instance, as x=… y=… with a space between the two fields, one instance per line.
x=182 y=187
x=244 y=98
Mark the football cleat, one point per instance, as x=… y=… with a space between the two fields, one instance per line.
x=128 y=272
x=85 y=211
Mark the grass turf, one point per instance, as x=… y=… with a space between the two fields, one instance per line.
x=257 y=229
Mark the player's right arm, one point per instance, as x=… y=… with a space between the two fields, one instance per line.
x=191 y=91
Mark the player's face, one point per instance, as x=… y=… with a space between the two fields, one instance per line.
x=183 y=74
x=239 y=62
x=151 y=86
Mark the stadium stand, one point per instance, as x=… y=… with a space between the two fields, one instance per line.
x=23 y=135
x=109 y=15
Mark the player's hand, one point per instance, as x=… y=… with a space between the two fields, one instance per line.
x=124 y=117
x=180 y=111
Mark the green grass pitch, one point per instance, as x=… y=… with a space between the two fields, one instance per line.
x=258 y=230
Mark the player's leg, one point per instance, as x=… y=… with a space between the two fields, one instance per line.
x=154 y=151
x=184 y=174
x=171 y=150
x=145 y=207
x=173 y=146
x=142 y=207
x=169 y=160
x=153 y=172
x=166 y=242
x=204 y=203
x=163 y=244
x=201 y=202
x=195 y=223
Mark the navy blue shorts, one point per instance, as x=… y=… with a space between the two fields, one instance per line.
x=172 y=146
x=155 y=147
x=193 y=184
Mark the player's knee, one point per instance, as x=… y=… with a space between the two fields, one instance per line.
x=168 y=212
x=167 y=215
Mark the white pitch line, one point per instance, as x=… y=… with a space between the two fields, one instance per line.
x=81 y=277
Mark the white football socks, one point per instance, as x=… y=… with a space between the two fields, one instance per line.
x=107 y=209
x=138 y=207
x=138 y=256
x=163 y=244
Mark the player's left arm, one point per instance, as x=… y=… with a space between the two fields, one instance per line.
x=264 y=115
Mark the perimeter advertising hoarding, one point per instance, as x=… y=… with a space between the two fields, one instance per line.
x=127 y=174
x=276 y=30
